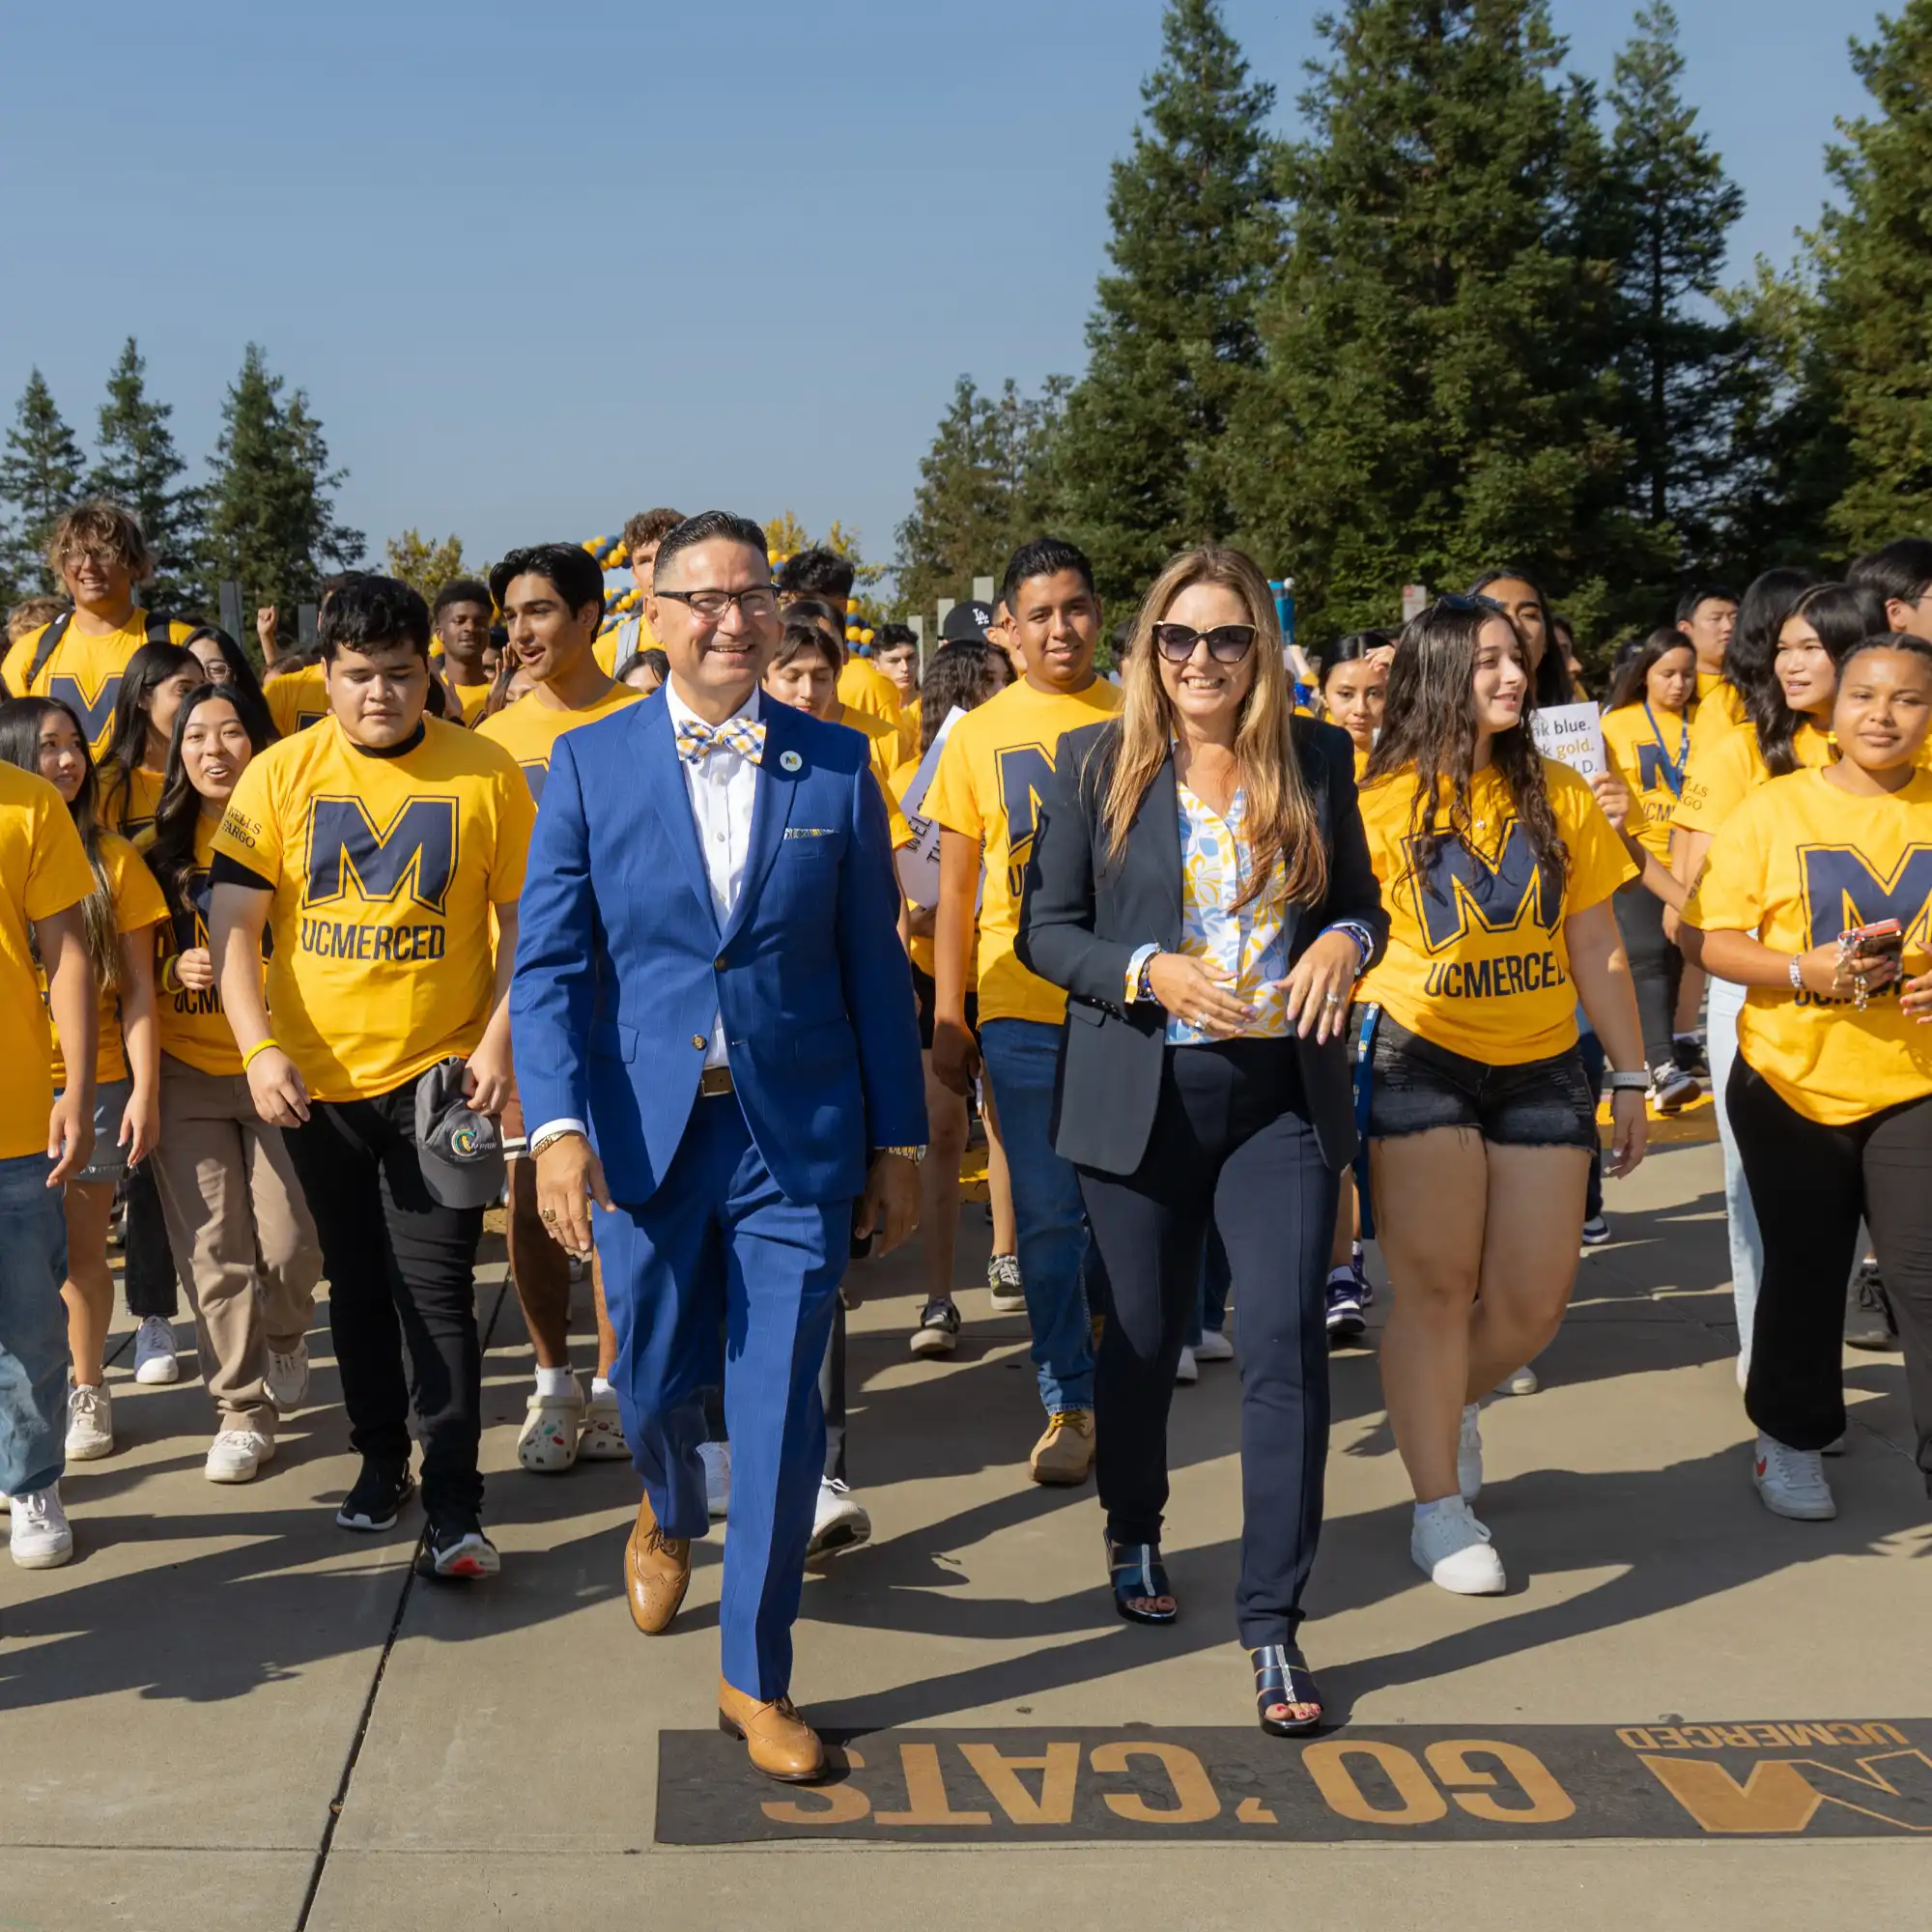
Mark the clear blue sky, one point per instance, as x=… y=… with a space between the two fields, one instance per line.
x=539 y=268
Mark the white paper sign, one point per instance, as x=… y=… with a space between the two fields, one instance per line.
x=919 y=861
x=1573 y=734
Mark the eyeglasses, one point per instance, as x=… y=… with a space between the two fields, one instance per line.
x=760 y=602
x=95 y=553
x=1227 y=644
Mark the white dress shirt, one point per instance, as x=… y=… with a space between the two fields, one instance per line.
x=722 y=788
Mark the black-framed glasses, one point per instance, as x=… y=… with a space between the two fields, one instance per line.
x=1227 y=644
x=760 y=602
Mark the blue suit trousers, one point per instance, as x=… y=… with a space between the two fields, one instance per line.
x=719 y=1249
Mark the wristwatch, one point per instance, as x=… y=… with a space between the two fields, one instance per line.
x=550 y=1140
x=915 y=1154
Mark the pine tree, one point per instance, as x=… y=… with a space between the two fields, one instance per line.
x=1439 y=393
x=1173 y=342
x=1670 y=206
x=1874 y=267
x=986 y=485
x=40 y=477
x=137 y=466
x=272 y=512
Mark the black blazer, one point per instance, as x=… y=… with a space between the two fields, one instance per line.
x=1083 y=920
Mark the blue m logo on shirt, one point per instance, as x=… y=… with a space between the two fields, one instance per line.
x=1026 y=772
x=417 y=849
x=1460 y=890
x=95 y=718
x=1843 y=890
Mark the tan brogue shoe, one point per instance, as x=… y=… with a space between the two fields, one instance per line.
x=780 y=1743
x=657 y=1572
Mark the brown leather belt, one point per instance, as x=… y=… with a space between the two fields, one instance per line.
x=714 y=1080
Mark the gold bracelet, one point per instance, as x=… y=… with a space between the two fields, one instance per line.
x=259 y=1047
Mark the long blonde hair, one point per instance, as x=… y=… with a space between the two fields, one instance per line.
x=1278 y=820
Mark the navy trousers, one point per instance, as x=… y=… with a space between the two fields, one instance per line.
x=719 y=1250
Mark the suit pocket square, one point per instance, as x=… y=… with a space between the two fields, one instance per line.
x=808 y=832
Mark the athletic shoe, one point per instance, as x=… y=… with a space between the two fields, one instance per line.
x=237 y=1453
x=601 y=1440
x=1452 y=1549
x=1346 y=1321
x=839 y=1521
x=90 y=1424
x=938 y=1330
x=1596 y=1231
x=1687 y=1049
x=1671 y=1090
x=378 y=1494
x=1003 y=1277
x=42 y=1537
x=287 y=1379
x=457 y=1552
x=548 y=1444
x=716 y=1459
x=1522 y=1382
x=1065 y=1455
x=1469 y=1452
x=155 y=1351
x=1186 y=1368
x=1213 y=1347
x=1868 y=1317
x=1791 y=1482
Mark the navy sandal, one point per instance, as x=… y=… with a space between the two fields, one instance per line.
x=1137 y=1574
x=1282 y=1676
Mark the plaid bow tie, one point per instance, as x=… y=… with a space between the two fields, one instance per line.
x=742 y=735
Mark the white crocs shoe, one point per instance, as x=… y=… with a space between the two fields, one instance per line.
x=1469 y=1452
x=1452 y=1549
x=716 y=1459
x=1791 y=1482
x=601 y=1440
x=548 y=1444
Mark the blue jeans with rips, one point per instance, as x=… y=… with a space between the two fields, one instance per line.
x=33 y=1327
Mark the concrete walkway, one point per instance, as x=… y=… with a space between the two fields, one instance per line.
x=227 y=1713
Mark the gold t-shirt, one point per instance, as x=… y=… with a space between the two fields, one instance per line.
x=137 y=904
x=529 y=729
x=84 y=671
x=1642 y=753
x=193 y=1025
x=297 y=700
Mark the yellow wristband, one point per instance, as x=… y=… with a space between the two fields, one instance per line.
x=259 y=1047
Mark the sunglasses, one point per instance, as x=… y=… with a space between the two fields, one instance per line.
x=1227 y=644
x=1458 y=605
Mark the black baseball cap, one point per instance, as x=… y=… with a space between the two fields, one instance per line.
x=966 y=623
x=460 y=1152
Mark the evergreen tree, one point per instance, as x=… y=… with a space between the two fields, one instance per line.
x=40 y=477
x=272 y=508
x=1173 y=342
x=986 y=486
x=1670 y=206
x=1874 y=264
x=138 y=467
x=1440 y=392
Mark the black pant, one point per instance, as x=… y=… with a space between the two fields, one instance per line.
x=832 y=1393
x=148 y=1275
x=1657 y=968
x=1231 y=1142
x=401 y=1267
x=1810 y=1184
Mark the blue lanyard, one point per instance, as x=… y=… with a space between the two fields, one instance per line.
x=1673 y=768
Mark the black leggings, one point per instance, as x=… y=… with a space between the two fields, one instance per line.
x=1231 y=1142
x=1810 y=1184
x=1657 y=967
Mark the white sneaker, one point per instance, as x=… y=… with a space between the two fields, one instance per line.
x=1791 y=1482
x=839 y=1522
x=1452 y=1549
x=601 y=1440
x=1187 y=1369
x=155 y=1351
x=548 y=1444
x=716 y=1459
x=1469 y=1452
x=42 y=1537
x=1213 y=1347
x=287 y=1379
x=90 y=1424
x=237 y=1453
x=1522 y=1382
x=1002 y=1278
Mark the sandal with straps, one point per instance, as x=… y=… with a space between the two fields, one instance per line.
x=1138 y=1575
x=1282 y=1677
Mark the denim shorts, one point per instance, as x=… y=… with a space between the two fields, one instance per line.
x=1418 y=1086
x=108 y=1162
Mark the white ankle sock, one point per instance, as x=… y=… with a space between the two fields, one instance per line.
x=600 y=1388
x=556 y=1382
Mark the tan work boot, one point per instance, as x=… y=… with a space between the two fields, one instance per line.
x=780 y=1743
x=657 y=1572
x=1065 y=1454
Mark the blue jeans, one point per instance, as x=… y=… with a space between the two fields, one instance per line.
x=1022 y=1057
x=33 y=1327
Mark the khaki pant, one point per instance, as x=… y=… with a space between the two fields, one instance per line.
x=241 y=1232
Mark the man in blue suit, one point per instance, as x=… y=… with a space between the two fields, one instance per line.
x=717 y=1044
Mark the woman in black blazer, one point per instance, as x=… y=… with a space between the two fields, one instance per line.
x=1200 y=885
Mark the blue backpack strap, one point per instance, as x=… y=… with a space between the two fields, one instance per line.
x=1363 y=1074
